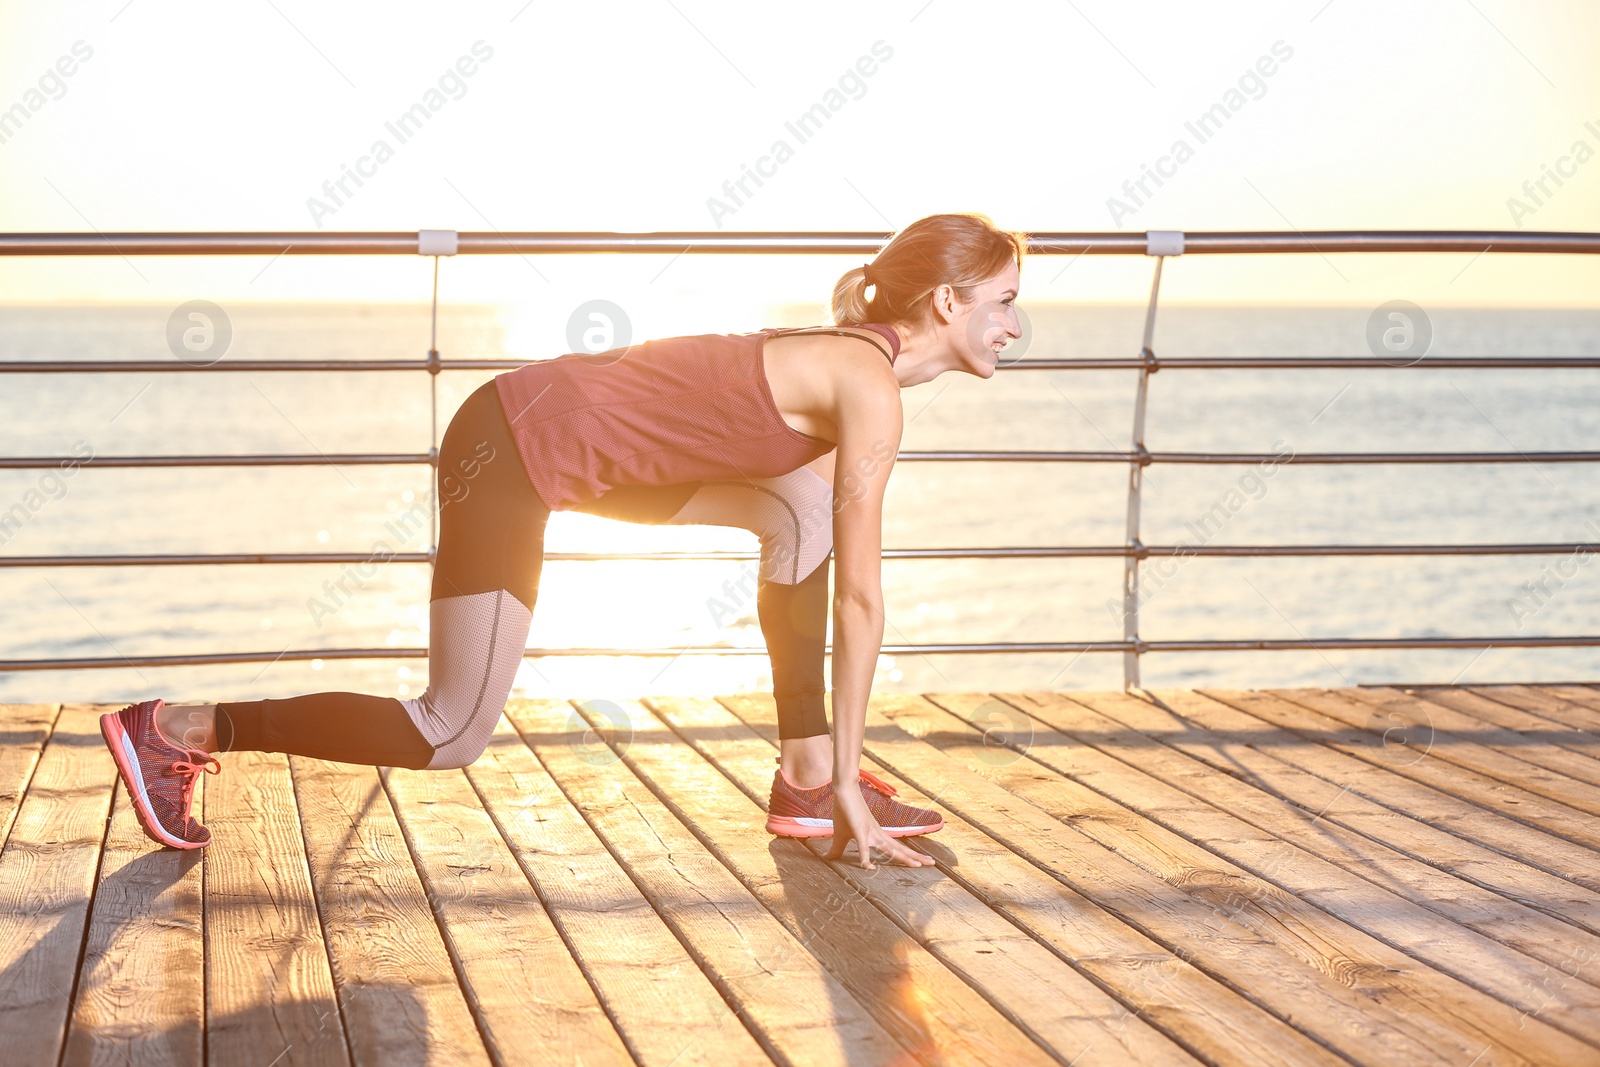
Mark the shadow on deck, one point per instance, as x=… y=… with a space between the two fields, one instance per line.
x=1369 y=875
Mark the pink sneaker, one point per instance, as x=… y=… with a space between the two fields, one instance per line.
x=796 y=812
x=159 y=775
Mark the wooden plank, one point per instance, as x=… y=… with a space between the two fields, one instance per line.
x=48 y=873
x=269 y=987
x=1468 y=982
x=1346 y=1007
x=1293 y=734
x=141 y=985
x=1452 y=746
x=949 y=929
x=1438 y=909
x=1411 y=762
x=665 y=1009
x=23 y=731
x=1488 y=723
x=1149 y=981
x=798 y=1012
x=1546 y=714
x=1579 y=705
x=532 y=1002
x=398 y=994
x=1410 y=830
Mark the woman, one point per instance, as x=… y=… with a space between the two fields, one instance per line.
x=789 y=433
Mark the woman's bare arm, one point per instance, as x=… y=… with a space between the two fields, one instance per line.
x=870 y=423
x=869 y=437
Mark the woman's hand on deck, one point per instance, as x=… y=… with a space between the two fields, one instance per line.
x=853 y=821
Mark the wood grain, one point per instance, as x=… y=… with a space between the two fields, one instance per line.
x=23 y=731
x=1228 y=876
x=668 y=1013
x=1185 y=898
x=398 y=994
x=269 y=986
x=1412 y=761
x=1498 y=770
x=797 y=1011
x=48 y=874
x=1489 y=724
x=141 y=985
x=1288 y=892
x=529 y=995
x=1411 y=827
x=1402 y=902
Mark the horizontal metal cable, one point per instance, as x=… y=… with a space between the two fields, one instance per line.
x=1015 y=647
x=184 y=559
x=313 y=366
x=951 y=456
x=251 y=460
x=1321 y=242
x=778 y=243
x=181 y=559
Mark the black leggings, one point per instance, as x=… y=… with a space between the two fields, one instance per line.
x=491 y=539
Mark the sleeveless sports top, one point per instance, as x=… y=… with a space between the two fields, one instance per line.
x=680 y=409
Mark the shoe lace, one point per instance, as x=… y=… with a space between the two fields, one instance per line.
x=191 y=774
x=879 y=784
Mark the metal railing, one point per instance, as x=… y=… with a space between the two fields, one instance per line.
x=1157 y=244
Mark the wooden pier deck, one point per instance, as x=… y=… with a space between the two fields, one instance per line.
x=1370 y=876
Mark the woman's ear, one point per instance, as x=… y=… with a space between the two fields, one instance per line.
x=943 y=299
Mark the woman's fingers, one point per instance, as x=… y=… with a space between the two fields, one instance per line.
x=893 y=849
x=902 y=853
x=908 y=855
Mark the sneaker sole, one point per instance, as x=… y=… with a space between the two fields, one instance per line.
x=792 y=826
x=121 y=746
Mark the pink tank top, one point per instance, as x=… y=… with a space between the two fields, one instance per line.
x=680 y=409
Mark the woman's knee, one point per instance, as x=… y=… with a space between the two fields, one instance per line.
x=792 y=514
x=475 y=645
x=458 y=728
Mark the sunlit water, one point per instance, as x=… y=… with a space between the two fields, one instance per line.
x=97 y=612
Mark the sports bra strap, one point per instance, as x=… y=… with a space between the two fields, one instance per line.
x=871 y=338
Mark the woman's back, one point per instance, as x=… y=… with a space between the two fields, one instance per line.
x=673 y=410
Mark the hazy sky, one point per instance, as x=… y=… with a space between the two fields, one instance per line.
x=1339 y=114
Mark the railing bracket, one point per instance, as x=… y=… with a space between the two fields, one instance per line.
x=1163 y=243
x=437 y=242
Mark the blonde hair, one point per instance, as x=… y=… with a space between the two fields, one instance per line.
x=959 y=250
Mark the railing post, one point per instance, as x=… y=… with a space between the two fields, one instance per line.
x=1161 y=244
x=435 y=243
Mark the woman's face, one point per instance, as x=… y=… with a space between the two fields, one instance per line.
x=990 y=324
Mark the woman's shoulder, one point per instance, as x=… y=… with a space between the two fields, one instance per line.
x=846 y=337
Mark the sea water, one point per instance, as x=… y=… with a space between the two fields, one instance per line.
x=116 y=612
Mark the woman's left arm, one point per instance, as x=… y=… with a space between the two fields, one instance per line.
x=870 y=422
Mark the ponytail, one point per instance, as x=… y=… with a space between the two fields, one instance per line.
x=850 y=304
